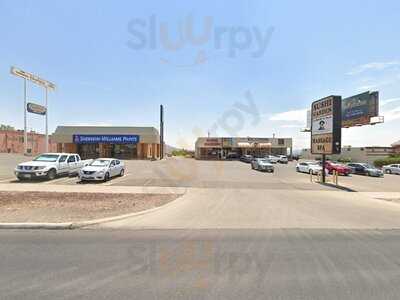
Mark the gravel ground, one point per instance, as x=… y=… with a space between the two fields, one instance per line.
x=72 y=207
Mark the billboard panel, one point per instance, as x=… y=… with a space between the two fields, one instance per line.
x=359 y=109
x=326 y=125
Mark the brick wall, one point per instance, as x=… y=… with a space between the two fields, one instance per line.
x=13 y=142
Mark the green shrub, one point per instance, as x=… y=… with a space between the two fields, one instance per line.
x=183 y=152
x=387 y=161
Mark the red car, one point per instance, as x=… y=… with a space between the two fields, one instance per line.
x=339 y=168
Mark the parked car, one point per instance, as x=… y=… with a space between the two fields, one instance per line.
x=310 y=167
x=232 y=155
x=262 y=164
x=282 y=159
x=246 y=158
x=339 y=168
x=365 y=169
x=51 y=165
x=102 y=169
x=391 y=169
x=273 y=159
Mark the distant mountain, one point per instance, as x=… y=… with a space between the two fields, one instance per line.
x=168 y=149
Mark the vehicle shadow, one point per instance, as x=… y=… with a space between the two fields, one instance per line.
x=41 y=180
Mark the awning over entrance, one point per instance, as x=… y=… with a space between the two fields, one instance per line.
x=254 y=145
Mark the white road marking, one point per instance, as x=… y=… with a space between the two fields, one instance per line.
x=116 y=180
x=61 y=179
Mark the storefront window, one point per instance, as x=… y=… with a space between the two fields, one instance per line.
x=88 y=151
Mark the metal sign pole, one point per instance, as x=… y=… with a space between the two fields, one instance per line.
x=37 y=109
x=323 y=168
x=25 y=122
x=47 y=122
x=161 y=131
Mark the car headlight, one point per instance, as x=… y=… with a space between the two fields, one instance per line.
x=100 y=172
x=20 y=167
x=40 y=168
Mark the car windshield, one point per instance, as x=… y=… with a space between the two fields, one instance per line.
x=368 y=166
x=314 y=165
x=100 y=163
x=47 y=158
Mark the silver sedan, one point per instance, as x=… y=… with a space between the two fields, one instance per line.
x=102 y=169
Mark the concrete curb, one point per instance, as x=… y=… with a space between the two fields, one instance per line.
x=48 y=226
x=77 y=225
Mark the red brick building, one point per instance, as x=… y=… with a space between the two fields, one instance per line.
x=12 y=141
x=396 y=147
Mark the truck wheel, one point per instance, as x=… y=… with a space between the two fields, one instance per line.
x=388 y=172
x=51 y=174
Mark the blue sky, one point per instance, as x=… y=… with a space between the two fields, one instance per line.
x=111 y=68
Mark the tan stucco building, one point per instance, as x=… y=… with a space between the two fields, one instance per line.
x=225 y=147
x=104 y=141
x=355 y=154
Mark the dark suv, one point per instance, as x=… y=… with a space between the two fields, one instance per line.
x=246 y=158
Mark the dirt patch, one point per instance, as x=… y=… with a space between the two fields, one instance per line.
x=73 y=207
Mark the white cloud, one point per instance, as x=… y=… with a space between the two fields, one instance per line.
x=368 y=87
x=373 y=66
x=291 y=126
x=387 y=101
x=299 y=115
x=391 y=114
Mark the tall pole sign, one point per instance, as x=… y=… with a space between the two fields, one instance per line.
x=39 y=81
x=326 y=128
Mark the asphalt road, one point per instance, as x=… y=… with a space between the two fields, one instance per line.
x=200 y=264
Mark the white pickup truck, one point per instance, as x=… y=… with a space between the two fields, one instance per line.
x=50 y=165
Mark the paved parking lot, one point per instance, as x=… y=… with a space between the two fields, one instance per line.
x=182 y=172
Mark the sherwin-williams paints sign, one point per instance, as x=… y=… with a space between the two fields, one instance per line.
x=326 y=125
x=105 y=139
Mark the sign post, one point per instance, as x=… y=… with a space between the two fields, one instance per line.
x=326 y=128
x=39 y=81
x=25 y=123
x=47 y=124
